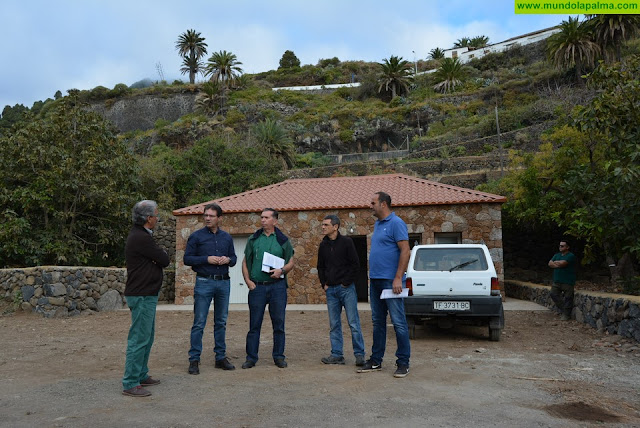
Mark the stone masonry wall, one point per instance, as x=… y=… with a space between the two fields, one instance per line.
x=613 y=313
x=477 y=223
x=55 y=291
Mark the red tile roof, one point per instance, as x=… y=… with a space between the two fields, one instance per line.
x=345 y=193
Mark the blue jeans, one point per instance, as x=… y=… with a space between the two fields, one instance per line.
x=338 y=297
x=275 y=295
x=379 y=309
x=140 y=340
x=206 y=290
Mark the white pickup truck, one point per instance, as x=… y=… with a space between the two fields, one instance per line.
x=451 y=283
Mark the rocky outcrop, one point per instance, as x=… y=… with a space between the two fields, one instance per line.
x=142 y=112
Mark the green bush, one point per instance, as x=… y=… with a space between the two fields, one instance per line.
x=234 y=118
x=119 y=90
x=99 y=93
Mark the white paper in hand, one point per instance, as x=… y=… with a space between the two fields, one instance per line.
x=269 y=262
x=388 y=293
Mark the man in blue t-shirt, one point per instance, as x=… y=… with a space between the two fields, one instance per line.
x=388 y=262
x=563 y=264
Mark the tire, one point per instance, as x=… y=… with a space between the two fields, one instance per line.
x=494 y=334
x=496 y=324
x=411 y=323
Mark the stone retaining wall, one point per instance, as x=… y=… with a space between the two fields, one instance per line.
x=613 y=313
x=66 y=290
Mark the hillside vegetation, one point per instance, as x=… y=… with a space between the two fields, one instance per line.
x=243 y=135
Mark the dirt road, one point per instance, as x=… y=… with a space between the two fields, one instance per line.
x=544 y=373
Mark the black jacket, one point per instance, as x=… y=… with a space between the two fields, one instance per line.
x=145 y=260
x=337 y=261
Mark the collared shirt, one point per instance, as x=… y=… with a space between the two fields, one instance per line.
x=204 y=243
x=385 y=254
x=259 y=246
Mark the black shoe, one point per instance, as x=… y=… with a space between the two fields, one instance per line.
x=281 y=363
x=224 y=364
x=360 y=360
x=332 y=360
x=248 y=364
x=401 y=371
x=369 y=366
x=193 y=367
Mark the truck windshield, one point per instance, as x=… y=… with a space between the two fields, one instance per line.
x=450 y=259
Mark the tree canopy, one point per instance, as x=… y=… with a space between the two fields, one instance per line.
x=192 y=48
x=68 y=185
x=289 y=60
x=573 y=47
x=395 y=75
x=585 y=177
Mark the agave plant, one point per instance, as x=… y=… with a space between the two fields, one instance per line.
x=209 y=99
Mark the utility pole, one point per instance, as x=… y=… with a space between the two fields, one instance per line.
x=500 y=151
x=415 y=64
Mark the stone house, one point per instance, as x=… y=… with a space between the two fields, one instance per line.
x=434 y=213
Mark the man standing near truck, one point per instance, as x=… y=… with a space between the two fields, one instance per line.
x=388 y=262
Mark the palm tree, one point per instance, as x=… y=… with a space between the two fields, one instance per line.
x=572 y=46
x=462 y=43
x=191 y=47
x=479 y=41
x=436 y=53
x=611 y=31
x=395 y=74
x=450 y=74
x=223 y=67
x=273 y=138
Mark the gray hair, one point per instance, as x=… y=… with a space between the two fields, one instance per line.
x=334 y=219
x=142 y=210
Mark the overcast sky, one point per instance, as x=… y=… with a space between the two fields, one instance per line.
x=52 y=45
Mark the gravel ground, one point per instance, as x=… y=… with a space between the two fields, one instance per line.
x=543 y=373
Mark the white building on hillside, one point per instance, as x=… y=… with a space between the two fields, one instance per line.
x=467 y=54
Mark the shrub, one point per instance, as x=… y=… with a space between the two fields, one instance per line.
x=119 y=90
x=234 y=117
x=98 y=93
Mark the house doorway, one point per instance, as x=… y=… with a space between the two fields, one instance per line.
x=362 y=279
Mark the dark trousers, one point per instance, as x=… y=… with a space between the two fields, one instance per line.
x=562 y=296
x=274 y=295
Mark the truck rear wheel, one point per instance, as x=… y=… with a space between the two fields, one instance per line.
x=496 y=324
x=411 y=323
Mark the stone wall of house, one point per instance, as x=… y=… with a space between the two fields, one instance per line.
x=613 y=313
x=477 y=223
x=55 y=291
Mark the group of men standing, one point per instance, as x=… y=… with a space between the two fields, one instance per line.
x=210 y=253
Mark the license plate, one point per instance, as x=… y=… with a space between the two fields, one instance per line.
x=451 y=306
